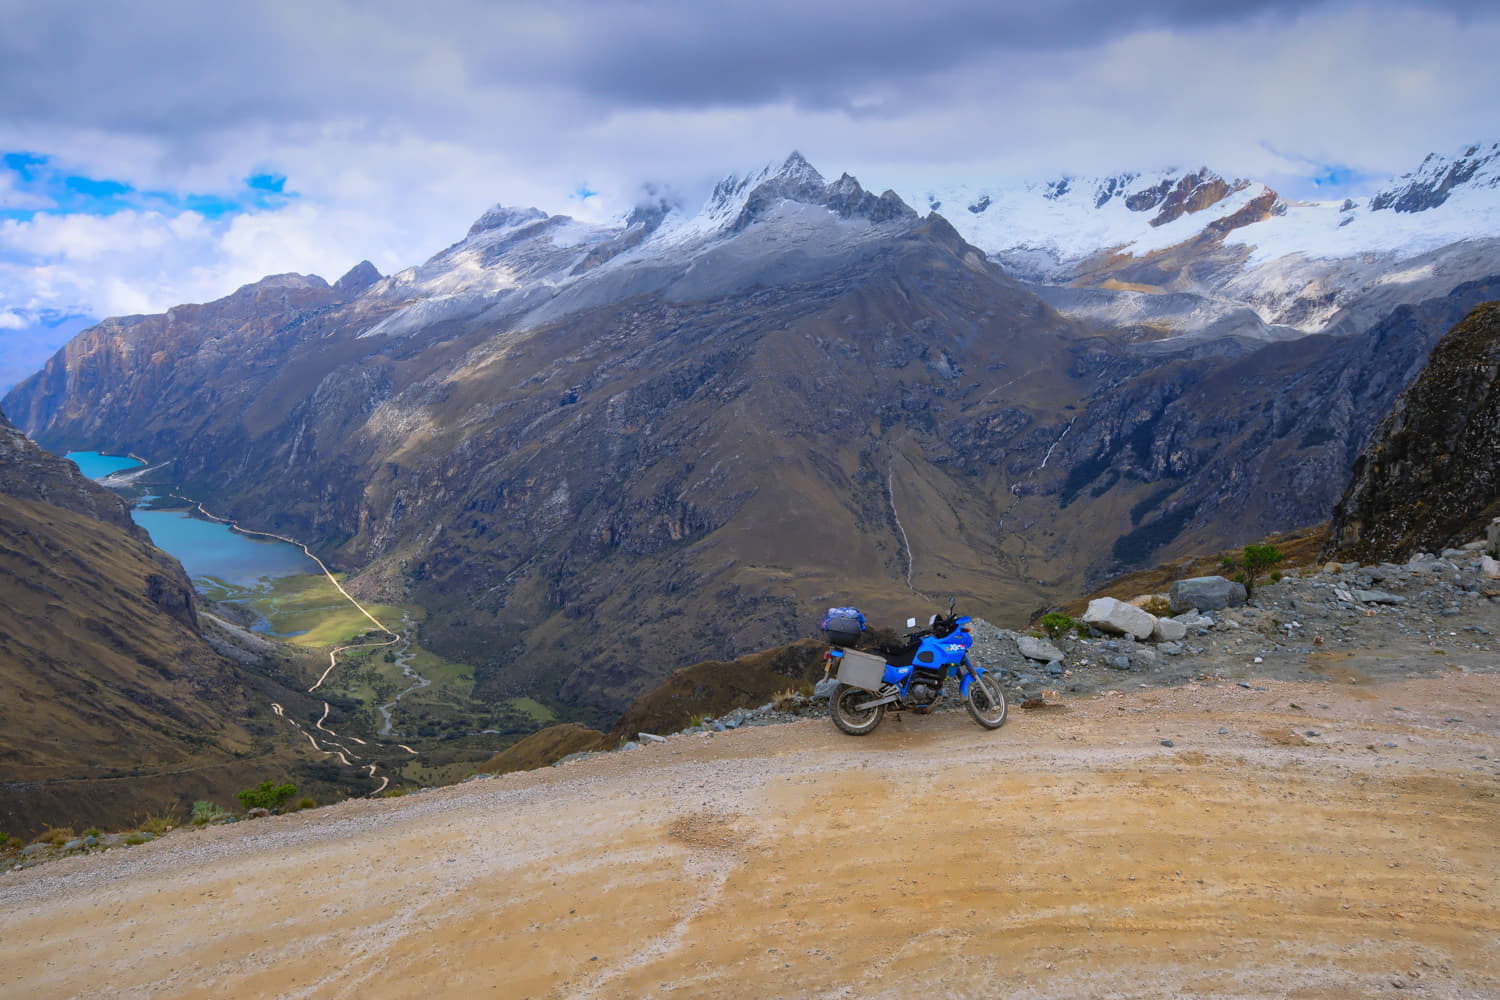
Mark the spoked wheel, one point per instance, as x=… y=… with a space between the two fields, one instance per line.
x=855 y=721
x=986 y=702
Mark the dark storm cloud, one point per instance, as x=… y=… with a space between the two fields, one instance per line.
x=748 y=53
x=162 y=67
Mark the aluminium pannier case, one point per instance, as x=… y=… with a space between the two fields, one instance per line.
x=861 y=670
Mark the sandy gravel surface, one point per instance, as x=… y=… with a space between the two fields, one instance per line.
x=1323 y=839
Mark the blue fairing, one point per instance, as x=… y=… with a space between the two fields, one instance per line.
x=934 y=654
x=896 y=675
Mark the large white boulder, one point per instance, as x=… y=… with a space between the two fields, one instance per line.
x=1109 y=615
x=1168 y=630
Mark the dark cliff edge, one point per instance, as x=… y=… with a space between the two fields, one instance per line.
x=1431 y=474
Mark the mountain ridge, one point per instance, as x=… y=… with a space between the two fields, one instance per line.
x=598 y=453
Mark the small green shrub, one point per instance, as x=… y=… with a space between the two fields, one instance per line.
x=9 y=843
x=1055 y=623
x=1254 y=562
x=92 y=831
x=1158 y=606
x=207 y=812
x=266 y=796
x=136 y=839
x=306 y=802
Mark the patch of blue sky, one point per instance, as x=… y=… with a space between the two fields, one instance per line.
x=1335 y=176
x=24 y=164
x=62 y=193
x=269 y=183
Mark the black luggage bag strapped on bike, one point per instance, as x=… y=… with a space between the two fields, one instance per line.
x=842 y=626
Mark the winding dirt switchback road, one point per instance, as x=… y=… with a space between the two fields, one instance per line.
x=1218 y=839
x=329 y=747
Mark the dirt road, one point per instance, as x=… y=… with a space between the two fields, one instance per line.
x=1290 y=840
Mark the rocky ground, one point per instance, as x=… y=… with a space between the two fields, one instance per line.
x=1298 y=800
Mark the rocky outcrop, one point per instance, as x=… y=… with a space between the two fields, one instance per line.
x=1431 y=474
x=29 y=473
x=1200 y=452
x=1039 y=650
x=1205 y=593
x=1168 y=630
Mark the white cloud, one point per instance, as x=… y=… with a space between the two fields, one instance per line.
x=13 y=199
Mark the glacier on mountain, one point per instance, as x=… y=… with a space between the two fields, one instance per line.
x=1191 y=253
x=1046 y=227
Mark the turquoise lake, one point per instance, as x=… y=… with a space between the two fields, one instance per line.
x=97 y=466
x=205 y=548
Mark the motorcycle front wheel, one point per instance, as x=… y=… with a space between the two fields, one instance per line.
x=986 y=702
x=842 y=705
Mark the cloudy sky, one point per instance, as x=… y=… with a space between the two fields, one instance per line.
x=162 y=151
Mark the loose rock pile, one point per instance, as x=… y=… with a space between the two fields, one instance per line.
x=1437 y=605
x=1418 y=615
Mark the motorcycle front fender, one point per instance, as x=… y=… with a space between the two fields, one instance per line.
x=966 y=674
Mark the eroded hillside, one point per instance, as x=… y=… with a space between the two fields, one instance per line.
x=113 y=702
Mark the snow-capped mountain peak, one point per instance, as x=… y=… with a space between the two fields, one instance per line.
x=543 y=265
x=1431 y=184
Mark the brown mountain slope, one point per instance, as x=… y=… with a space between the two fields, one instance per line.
x=112 y=704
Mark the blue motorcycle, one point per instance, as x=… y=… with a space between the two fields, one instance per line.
x=909 y=675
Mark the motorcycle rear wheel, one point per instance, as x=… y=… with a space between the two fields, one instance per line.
x=852 y=720
x=986 y=702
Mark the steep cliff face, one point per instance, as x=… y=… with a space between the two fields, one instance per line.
x=29 y=474
x=1195 y=453
x=129 y=381
x=1431 y=474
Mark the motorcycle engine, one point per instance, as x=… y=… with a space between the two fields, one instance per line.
x=923 y=694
